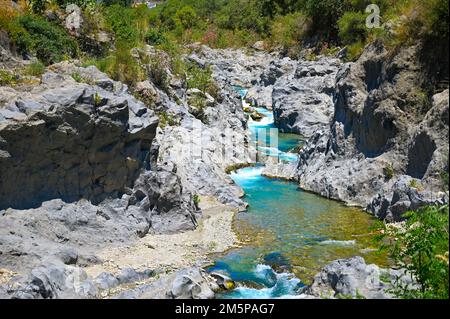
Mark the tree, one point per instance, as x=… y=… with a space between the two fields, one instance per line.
x=420 y=245
x=186 y=17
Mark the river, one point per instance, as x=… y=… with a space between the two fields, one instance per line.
x=288 y=234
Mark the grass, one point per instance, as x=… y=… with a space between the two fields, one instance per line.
x=35 y=69
x=388 y=171
x=414 y=183
x=7 y=78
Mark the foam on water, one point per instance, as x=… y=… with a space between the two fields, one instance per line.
x=339 y=242
x=274 y=152
x=285 y=285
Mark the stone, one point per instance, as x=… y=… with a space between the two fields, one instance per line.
x=351 y=278
x=106 y=281
x=74 y=19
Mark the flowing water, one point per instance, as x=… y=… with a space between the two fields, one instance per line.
x=289 y=234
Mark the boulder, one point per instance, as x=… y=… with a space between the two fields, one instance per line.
x=74 y=19
x=354 y=278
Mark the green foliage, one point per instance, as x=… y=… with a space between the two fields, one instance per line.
x=38 y=6
x=124 y=3
x=196 y=199
x=166 y=119
x=7 y=78
x=289 y=30
x=122 y=66
x=80 y=3
x=35 y=69
x=77 y=77
x=325 y=15
x=388 y=171
x=415 y=184
x=50 y=42
x=352 y=27
x=199 y=78
x=186 y=17
x=420 y=245
x=155 y=37
x=122 y=23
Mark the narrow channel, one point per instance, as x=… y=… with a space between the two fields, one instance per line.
x=288 y=234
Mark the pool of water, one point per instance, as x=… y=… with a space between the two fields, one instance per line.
x=289 y=234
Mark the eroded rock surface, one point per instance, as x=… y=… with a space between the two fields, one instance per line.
x=382 y=128
x=354 y=278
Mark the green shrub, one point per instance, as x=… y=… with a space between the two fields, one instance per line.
x=121 y=20
x=186 y=17
x=420 y=246
x=289 y=30
x=388 y=171
x=354 y=51
x=38 y=6
x=352 y=27
x=123 y=67
x=155 y=37
x=201 y=79
x=50 y=42
x=196 y=199
x=7 y=78
x=35 y=69
x=415 y=184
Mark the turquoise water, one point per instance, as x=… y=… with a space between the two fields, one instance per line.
x=288 y=234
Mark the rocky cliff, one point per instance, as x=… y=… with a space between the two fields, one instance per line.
x=384 y=126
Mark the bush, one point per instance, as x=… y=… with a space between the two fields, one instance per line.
x=388 y=171
x=352 y=27
x=121 y=20
x=420 y=246
x=186 y=17
x=155 y=37
x=50 y=42
x=35 y=69
x=289 y=30
x=7 y=78
x=122 y=66
x=201 y=79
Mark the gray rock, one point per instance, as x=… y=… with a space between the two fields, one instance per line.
x=190 y=283
x=351 y=278
x=75 y=141
x=302 y=99
x=372 y=130
x=106 y=281
x=74 y=19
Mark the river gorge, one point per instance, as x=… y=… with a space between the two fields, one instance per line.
x=294 y=231
x=113 y=192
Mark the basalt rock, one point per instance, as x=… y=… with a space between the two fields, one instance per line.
x=302 y=99
x=354 y=278
x=383 y=127
x=78 y=172
x=71 y=140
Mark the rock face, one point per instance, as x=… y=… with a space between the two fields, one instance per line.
x=74 y=19
x=189 y=283
x=302 y=99
x=354 y=278
x=71 y=140
x=383 y=128
x=76 y=172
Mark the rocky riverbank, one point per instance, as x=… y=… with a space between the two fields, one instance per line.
x=100 y=199
x=376 y=138
x=88 y=174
